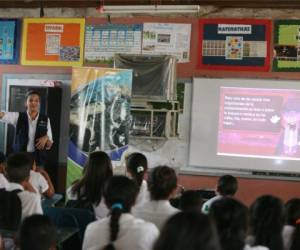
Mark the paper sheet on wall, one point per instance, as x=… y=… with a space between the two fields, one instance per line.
x=104 y=40
x=167 y=38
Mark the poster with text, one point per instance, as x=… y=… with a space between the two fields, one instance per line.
x=263 y=123
x=53 y=41
x=286 y=45
x=99 y=114
x=9 y=41
x=234 y=44
x=167 y=39
x=102 y=41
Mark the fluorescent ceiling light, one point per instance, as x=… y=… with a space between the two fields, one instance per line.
x=149 y=9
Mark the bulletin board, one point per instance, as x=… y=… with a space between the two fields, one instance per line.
x=53 y=41
x=234 y=44
x=286 y=45
x=9 y=41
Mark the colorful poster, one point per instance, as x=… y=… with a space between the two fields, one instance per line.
x=53 y=41
x=9 y=41
x=99 y=114
x=234 y=44
x=260 y=123
x=286 y=45
x=102 y=41
x=167 y=39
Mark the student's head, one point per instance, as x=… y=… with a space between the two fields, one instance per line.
x=227 y=185
x=37 y=232
x=119 y=194
x=266 y=221
x=18 y=167
x=97 y=170
x=136 y=166
x=188 y=231
x=292 y=218
x=162 y=183
x=10 y=210
x=191 y=200
x=231 y=218
x=33 y=101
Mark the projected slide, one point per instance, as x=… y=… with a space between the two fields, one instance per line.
x=262 y=123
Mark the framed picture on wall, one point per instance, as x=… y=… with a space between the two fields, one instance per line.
x=286 y=45
x=9 y=41
x=234 y=44
x=53 y=41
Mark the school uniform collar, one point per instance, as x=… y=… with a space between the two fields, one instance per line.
x=14 y=186
x=29 y=117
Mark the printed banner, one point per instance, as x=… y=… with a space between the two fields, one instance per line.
x=286 y=45
x=234 y=44
x=99 y=114
x=167 y=39
x=263 y=123
x=53 y=41
x=102 y=41
x=9 y=41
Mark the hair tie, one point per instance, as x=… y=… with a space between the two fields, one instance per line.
x=297 y=222
x=117 y=205
x=140 y=169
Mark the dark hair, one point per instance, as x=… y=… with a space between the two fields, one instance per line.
x=230 y=216
x=37 y=232
x=18 y=167
x=191 y=200
x=32 y=92
x=137 y=165
x=2 y=157
x=10 y=210
x=188 y=231
x=120 y=194
x=266 y=220
x=292 y=215
x=97 y=170
x=227 y=185
x=162 y=181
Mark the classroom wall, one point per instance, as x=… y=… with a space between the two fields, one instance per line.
x=174 y=152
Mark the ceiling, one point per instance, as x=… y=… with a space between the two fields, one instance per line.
x=96 y=3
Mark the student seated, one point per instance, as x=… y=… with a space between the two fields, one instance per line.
x=162 y=186
x=87 y=192
x=227 y=186
x=231 y=218
x=40 y=180
x=136 y=167
x=188 y=231
x=190 y=200
x=291 y=229
x=266 y=222
x=18 y=170
x=3 y=180
x=37 y=232
x=120 y=230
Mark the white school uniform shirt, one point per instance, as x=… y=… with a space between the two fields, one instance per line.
x=287 y=233
x=12 y=118
x=3 y=181
x=31 y=202
x=100 y=211
x=134 y=234
x=206 y=205
x=143 y=195
x=247 y=247
x=157 y=212
x=38 y=182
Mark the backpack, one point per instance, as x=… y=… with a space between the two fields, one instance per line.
x=10 y=209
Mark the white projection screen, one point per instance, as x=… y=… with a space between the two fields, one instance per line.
x=240 y=124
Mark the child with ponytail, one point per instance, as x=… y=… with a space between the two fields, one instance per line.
x=125 y=231
x=136 y=167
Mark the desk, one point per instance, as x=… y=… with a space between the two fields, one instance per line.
x=63 y=234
